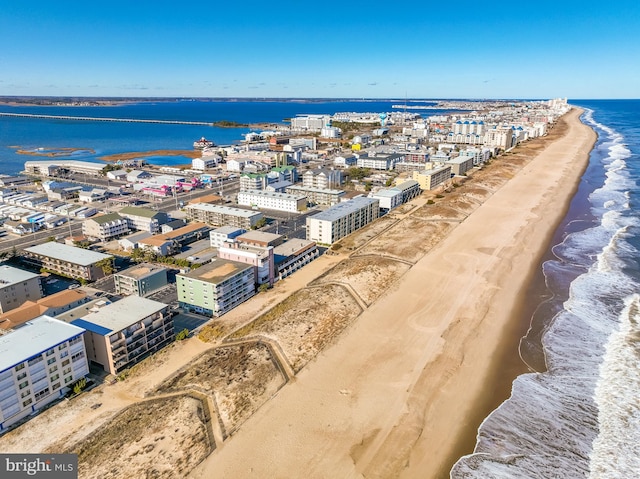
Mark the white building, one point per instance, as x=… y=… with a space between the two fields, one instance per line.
x=380 y=161
x=38 y=363
x=273 y=201
x=342 y=219
x=205 y=162
x=310 y=122
x=224 y=234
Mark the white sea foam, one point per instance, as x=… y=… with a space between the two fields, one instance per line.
x=581 y=418
x=616 y=450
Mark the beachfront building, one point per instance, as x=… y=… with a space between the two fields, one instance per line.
x=261 y=238
x=120 y=334
x=18 y=286
x=273 y=201
x=217 y=215
x=141 y=279
x=224 y=234
x=502 y=138
x=257 y=256
x=429 y=179
x=393 y=197
x=460 y=165
x=215 y=288
x=39 y=362
x=292 y=255
x=342 y=219
x=318 y=196
x=69 y=261
x=105 y=227
x=144 y=219
x=478 y=155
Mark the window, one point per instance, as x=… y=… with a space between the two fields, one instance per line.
x=35 y=360
x=53 y=369
x=25 y=393
x=19 y=367
x=54 y=377
x=23 y=385
x=55 y=386
x=68 y=379
x=50 y=352
x=66 y=371
x=51 y=361
x=62 y=346
x=21 y=376
x=64 y=354
x=40 y=394
x=65 y=362
x=27 y=402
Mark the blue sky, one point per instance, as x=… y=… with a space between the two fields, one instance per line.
x=353 y=49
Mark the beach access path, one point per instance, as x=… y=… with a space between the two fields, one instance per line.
x=391 y=397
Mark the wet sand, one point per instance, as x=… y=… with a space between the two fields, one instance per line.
x=404 y=388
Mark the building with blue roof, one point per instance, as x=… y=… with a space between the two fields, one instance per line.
x=39 y=362
x=122 y=333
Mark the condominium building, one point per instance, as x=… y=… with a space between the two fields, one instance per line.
x=318 y=196
x=429 y=179
x=140 y=279
x=216 y=215
x=215 y=288
x=342 y=219
x=261 y=258
x=105 y=227
x=69 y=261
x=310 y=122
x=380 y=161
x=393 y=197
x=18 y=286
x=460 y=164
x=144 y=219
x=292 y=255
x=272 y=200
x=321 y=178
x=38 y=363
x=499 y=137
x=119 y=335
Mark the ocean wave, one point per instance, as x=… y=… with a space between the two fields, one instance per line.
x=563 y=422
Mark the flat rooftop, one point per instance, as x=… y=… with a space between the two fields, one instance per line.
x=141 y=271
x=35 y=337
x=10 y=275
x=120 y=314
x=70 y=254
x=224 y=210
x=217 y=271
x=259 y=236
x=343 y=209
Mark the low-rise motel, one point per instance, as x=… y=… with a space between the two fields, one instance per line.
x=39 y=362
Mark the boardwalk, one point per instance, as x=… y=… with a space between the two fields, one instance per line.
x=91 y=118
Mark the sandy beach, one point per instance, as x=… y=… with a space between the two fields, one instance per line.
x=400 y=389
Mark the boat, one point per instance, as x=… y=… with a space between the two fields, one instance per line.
x=203 y=143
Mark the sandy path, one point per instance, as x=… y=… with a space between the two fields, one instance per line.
x=391 y=396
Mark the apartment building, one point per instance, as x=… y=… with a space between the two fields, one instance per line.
x=380 y=161
x=318 y=196
x=272 y=200
x=429 y=179
x=342 y=219
x=140 y=279
x=38 y=363
x=215 y=288
x=18 y=286
x=261 y=258
x=321 y=178
x=460 y=165
x=120 y=334
x=499 y=137
x=105 y=227
x=292 y=255
x=393 y=197
x=69 y=261
x=217 y=215
x=144 y=219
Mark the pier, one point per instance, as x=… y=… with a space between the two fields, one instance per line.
x=92 y=118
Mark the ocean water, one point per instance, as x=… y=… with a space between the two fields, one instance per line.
x=581 y=417
x=105 y=138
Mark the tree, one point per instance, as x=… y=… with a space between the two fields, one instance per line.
x=184 y=334
x=106 y=265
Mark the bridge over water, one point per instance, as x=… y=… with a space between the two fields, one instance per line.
x=92 y=118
